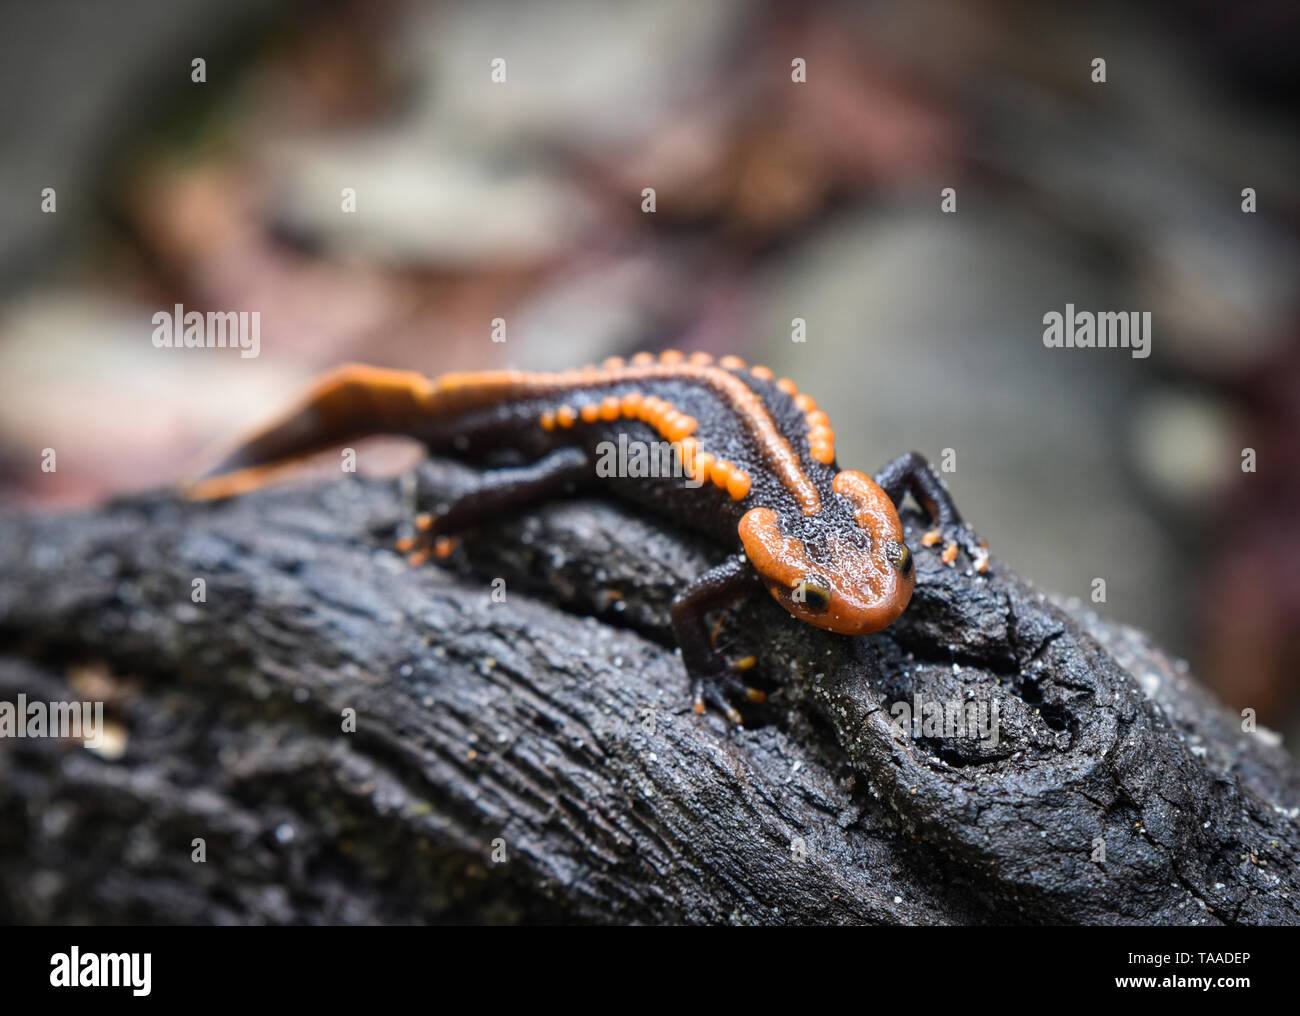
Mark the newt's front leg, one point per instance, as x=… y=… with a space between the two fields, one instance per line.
x=714 y=679
x=911 y=473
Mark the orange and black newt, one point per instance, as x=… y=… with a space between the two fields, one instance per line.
x=756 y=471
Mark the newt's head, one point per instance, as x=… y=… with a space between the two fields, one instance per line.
x=854 y=577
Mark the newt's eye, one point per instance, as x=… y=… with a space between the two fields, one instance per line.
x=813 y=591
x=900 y=557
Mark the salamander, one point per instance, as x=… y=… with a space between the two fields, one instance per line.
x=754 y=468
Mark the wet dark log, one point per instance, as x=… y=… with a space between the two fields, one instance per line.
x=553 y=729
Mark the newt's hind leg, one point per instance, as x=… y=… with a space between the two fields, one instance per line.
x=912 y=474
x=497 y=490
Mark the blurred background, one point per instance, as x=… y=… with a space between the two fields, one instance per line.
x=775 y=199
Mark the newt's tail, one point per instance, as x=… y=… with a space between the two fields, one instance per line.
x=346 y=404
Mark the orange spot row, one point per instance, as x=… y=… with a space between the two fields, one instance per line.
x=732 y=479
x=821 y=438
x=659 y=413
x=675 y=426
x=671 y=357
